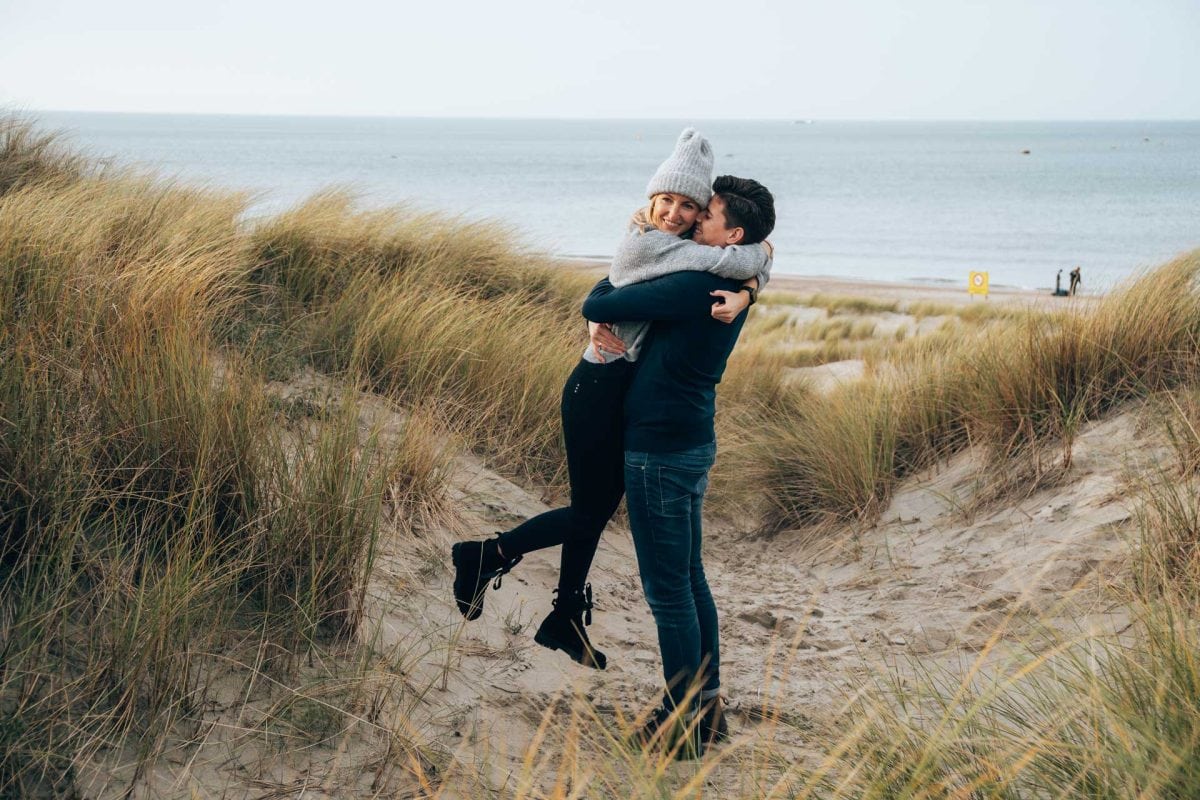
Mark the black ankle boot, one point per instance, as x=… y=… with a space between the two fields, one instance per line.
x=476 y=563
x=713 y=727
x=674 y=734
x=565 y=630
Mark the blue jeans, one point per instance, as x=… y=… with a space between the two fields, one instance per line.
x=665 y=494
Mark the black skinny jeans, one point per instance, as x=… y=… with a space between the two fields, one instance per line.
x=593 y=427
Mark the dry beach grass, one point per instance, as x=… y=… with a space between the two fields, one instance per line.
x=956 y=545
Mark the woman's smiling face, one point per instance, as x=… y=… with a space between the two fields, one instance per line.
x=674 y=213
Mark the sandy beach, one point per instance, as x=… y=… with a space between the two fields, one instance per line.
x=906 y=291
x=939 y=292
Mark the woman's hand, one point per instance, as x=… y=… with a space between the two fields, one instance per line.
x=730 y=305
x=604 y=340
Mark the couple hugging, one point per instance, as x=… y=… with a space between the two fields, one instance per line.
x=637 y=416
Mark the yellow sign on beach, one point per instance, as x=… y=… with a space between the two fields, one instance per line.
x=977 y=283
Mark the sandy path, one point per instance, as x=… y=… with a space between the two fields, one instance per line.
x=928 y=582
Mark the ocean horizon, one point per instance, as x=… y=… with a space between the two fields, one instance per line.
x=892 y=201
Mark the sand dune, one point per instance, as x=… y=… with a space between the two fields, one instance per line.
x=943 y=576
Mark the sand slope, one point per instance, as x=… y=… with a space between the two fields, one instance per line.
x=944 y=570
x=934 y=580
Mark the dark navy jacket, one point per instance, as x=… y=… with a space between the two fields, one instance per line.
x=672 y=400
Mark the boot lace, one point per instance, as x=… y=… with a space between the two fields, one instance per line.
x=587 y=604
x=582 y=602
x=504 y=568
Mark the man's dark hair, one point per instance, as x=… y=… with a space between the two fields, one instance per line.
x=748 y=205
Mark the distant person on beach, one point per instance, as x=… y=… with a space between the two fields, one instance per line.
x=1058 y=290
x=725 y=268
x=1076 y=280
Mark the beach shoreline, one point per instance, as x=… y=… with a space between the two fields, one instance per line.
x=908 y=291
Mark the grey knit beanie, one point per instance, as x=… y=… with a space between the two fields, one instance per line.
x=688 y=171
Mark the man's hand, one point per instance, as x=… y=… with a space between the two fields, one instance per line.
x=603 y=339
x=730 y=304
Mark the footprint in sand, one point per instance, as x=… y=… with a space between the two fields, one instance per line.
x=1061 y=513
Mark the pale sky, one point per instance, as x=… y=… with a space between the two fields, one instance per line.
x=756 y=59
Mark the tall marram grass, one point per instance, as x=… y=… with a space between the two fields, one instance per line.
x=1088 y=718
x=1018 y=386
x=426 y=308
x=150 y=506
x=1168 y=563
x=29 y=156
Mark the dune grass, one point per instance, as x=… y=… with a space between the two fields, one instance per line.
x=836 y=329
x=149 y=504
x=1016 y=386
x=1087 y=718
x=429 y=308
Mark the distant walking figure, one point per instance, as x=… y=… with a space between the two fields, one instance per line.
x=1075 y=281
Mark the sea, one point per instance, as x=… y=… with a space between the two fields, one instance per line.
x=883 y=201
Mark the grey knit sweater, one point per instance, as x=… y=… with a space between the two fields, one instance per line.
x=646 y=252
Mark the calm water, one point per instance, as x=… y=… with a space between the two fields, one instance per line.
x=877 y=200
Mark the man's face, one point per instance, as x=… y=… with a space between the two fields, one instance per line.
x=711 y=226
